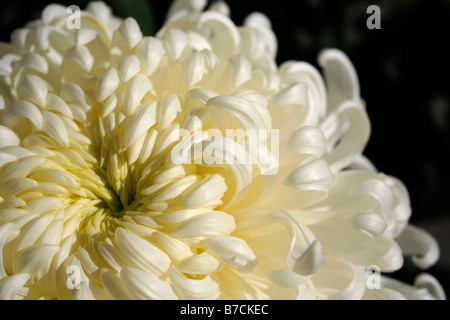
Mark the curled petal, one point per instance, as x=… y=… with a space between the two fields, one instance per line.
x=353 y=133
x=11 y=286
x=233 y=251
x=144 y=286
x=341 y=78
x=419 y=244
x=204 y=289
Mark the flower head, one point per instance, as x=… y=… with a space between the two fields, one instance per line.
x=120 y=180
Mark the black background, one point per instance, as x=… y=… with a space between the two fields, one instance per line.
x=403 y=70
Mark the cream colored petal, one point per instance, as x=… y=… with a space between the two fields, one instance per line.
x=82 y=56
x=150 y=52
x=139 y=87
x=107 y=84
x=140 y=121
x=16 y=185
x=113 y=283
x=34 y=89
x=55 y=128
x=34 y=61
x=426 y=287
x=221 y=33
x=32 y=232
x=11 y=285
x=33 y=259
x=353 y=140
x=191 y=289
x=308 y=140
x=341 y=78
x=207 y=192
x=141 y=253
x=419 y=244
x=5 y=232
x=8 y=137
x=207 y=224
x=339 y=280
x=203 y=263
x=384 y=252
x=311 y=174
x=175 y=248
x=169 y=109
x=225 y=110
x=130 y=31
x=194 y=68
x=129 y=67
x=175 y=42
x=179 y=8
x=233 y=251
x=144 y=286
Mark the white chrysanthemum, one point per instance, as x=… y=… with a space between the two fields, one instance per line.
x=93 y=205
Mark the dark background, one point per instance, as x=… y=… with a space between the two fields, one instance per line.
x=403 y=70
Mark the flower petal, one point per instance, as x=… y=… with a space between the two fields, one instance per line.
x=191 y=289
x=419 y=244
x=144 y=286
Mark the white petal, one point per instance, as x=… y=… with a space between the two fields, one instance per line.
x=63 y=178
x=11 y=285
x=242 y=69
x=176 y=188
x=141 y=120
x=128 y=67
x=113 y=282
x=308 y=140
x=14 y=186
x=342 y=80
x=203 y=263
x=193 y=68
x=209 y=191
x=221 y=33
x=180 y=8
x=144 y=286
x=150 y=52
x=215 y=223
x=8 y=137
x=141 y=253
x=74 y=94
x=33 y=89
x=130 y=31
x=32 y=232
x=311 y=174
x=21 y=167
x=85 y=36
x=169 y=109
x=175 y=248
x=368 y=222
x=233 y=251
x=53 y=11
x=419 y=244
x=221 y=107
x=5 y=231
x=204 y=289
x=138 y=88
x=175 y=40
x=34 y=61
x=33 y=259
x=55 y=128
x=352 y=140
x=82 y=56
x=339 y=280
x=107 y=84
x=430 y=283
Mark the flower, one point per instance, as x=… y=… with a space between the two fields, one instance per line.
x=94 y=203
